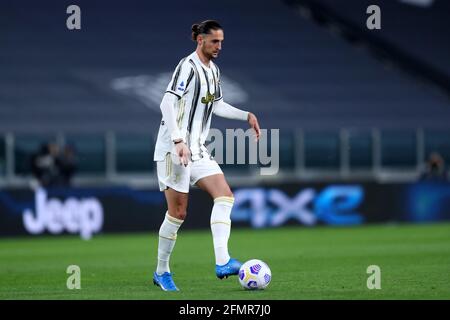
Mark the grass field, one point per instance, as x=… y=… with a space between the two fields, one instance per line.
x=316 y=263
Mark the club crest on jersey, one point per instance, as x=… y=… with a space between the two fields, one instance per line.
x=209 y=98
x=181 y=87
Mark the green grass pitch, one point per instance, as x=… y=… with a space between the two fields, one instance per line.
x=306 y=263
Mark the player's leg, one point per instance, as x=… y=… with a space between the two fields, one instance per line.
x=218 y=188
x=174 y=180
x=174 y=218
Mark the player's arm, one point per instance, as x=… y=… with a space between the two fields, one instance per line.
x=225 y=110
x=168 y=113
x=179 y=85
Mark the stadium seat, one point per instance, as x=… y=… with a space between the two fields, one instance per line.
x=397 y=19
x=360 y=150
x=90 y=151
x=398 y=149
x=287 y=149
x=134 y=153
x=2 y=156
x=321 y=150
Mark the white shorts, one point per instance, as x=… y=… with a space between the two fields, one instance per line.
x=176 y=176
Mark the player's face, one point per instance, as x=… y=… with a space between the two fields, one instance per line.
x=211 y=44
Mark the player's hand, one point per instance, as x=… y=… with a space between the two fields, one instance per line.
x=253 y=122
x=183 y=153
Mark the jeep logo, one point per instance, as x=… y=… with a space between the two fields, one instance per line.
x=74 y=216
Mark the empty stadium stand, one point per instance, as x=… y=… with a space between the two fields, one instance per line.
x=99 y=88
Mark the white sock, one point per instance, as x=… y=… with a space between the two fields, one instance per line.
x=167 y=239
x=220 y=228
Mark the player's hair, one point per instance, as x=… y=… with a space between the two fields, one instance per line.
x=204 y=27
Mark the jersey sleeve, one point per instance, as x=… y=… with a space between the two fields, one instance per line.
x=224 y=110
x=181 y=79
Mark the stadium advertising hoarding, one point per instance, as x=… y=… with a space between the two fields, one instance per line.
x=89 y=211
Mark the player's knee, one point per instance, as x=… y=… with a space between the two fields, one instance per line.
x=180 y=213
x=228 y=194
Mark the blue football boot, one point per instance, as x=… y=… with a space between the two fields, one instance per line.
x=229 y=269
x=164 y=281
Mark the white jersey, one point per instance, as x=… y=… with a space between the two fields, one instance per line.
x=198 y=89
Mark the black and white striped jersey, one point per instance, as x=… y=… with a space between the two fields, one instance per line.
x=197 y=88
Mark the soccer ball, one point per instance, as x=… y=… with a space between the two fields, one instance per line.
x=254 y=274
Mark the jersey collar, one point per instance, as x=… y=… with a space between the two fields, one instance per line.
x=196 y=57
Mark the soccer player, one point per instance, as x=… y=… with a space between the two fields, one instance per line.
x=193 y=95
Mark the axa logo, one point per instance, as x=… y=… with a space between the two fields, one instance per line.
x=84 y=216
x=272 y=207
